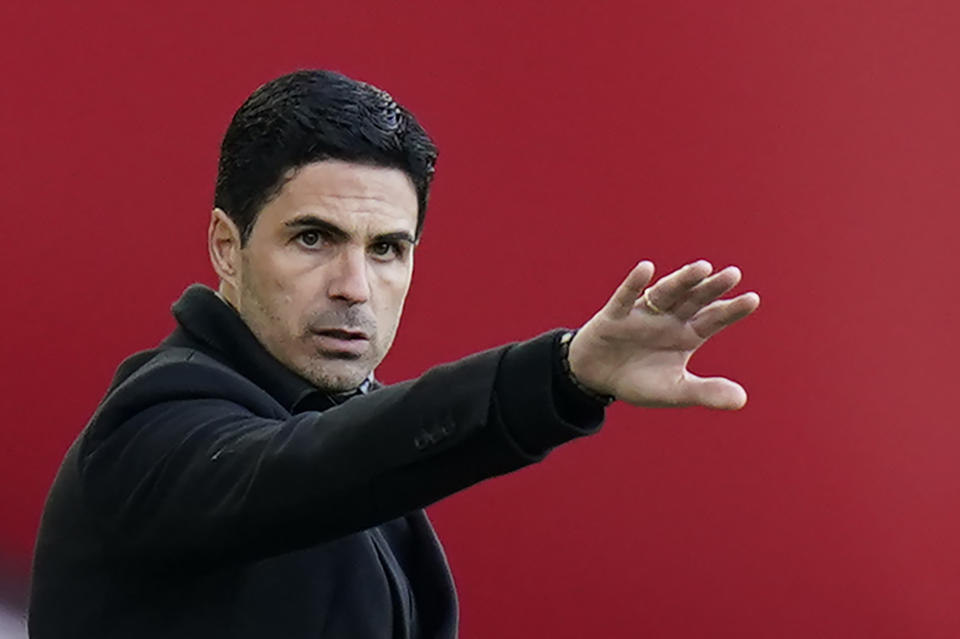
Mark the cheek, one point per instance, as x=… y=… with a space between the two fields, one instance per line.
x=283 y=289
x=393 y=293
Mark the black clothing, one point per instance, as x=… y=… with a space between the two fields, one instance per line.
x=209 y=496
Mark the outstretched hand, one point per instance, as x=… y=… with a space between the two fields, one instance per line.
x=637 y=347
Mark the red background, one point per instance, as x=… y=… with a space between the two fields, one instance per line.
x=815 y=144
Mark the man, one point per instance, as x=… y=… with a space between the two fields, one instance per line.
x=250 y=478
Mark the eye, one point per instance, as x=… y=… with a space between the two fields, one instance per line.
x=310 y=239
x=387 y=250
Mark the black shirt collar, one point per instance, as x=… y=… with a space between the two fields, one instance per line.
x=211 y=324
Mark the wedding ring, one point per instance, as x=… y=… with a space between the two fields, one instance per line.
x=653 y=308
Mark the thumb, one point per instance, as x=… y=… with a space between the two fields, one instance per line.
x=715 y=392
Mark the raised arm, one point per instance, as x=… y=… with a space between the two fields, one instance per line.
x=189 y=459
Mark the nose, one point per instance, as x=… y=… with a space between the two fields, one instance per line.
x=348 y=277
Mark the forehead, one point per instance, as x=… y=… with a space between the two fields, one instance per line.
x=356 y=197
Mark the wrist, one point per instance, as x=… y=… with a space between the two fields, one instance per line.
x=565 y=341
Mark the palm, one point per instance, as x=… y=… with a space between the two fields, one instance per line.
x=638 y=351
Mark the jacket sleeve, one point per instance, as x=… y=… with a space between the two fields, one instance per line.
x=180 y=461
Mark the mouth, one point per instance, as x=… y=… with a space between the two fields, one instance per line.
x=341 y=341
x=342 y=333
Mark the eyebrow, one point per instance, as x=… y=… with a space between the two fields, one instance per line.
x=308 y=221
x=396 y=236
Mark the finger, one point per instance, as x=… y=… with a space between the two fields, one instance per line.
x=722 y=313
x=674 y=288
x=707 y=291
x=623 y=299
x=714 y=392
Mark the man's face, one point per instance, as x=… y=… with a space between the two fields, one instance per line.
x=326 y=269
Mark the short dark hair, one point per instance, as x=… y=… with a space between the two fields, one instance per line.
x=308 y=116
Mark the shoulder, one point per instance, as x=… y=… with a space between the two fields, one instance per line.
x=175 y=374
x=179 y=373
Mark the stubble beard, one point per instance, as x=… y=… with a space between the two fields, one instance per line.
x=331 y=372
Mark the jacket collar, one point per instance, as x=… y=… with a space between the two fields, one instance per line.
x=221 y=332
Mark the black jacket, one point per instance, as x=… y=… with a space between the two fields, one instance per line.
x=215 y=493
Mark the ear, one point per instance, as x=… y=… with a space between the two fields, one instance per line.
x=223 y=242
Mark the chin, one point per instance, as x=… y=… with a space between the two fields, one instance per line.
x=337 y=377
